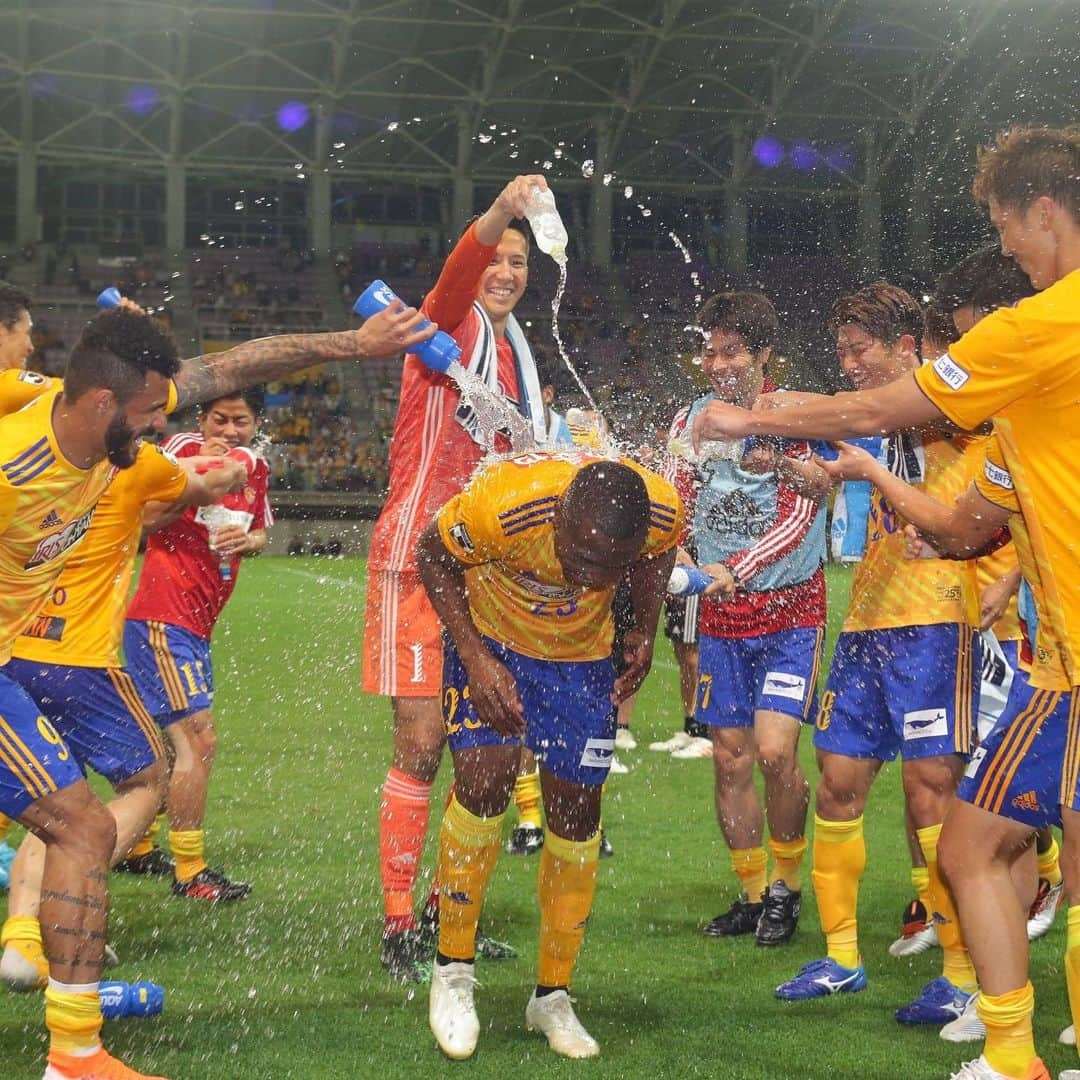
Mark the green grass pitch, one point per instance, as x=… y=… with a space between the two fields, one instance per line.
x=287 y=984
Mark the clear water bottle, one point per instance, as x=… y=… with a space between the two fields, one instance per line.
x=547 y=226
x=438 y=352
x=687 y=580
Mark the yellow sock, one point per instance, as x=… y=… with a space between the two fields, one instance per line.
x=1010 y=1046
x=146 y=844
x=839 y=861
x=920 y=882
x=23 y=934
x=527 y=798
x=73 y=1017
x=956 y=964
x=187 y=849
x=751 y=866
x=787 y=862
x=566 y=886
x=1050 y=864
x=1072 y=964
x=468 y=848
x=5 y=827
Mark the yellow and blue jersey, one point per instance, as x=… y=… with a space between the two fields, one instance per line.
x=502 y=527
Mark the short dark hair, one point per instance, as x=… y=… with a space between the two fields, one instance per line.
x=1027 y=163
x=13 y=302
x=254 y=397
x=116 y=351
x=748 y=313
x=986 y=279
x=886 y=312
x=611 y=495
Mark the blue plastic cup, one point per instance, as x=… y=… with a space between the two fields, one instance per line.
x=688 y=580
x=109 y=298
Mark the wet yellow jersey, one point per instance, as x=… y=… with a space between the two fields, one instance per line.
x=502 y=527
x=82 y=622
x=996 y=483
x=1021 y=366
x=19 y=388
x=890 y=589
x=46 y=505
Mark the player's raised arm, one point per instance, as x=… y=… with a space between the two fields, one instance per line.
x=878 y=411
x=208 y=479
x=491 y=686
x=206 y=378
x=961 y=530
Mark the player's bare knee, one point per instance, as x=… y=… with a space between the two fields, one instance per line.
x=776 y=759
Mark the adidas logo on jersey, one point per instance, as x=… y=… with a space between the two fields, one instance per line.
x=52 y=521
x=1028 y=800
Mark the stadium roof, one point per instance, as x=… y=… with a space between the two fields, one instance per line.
x=815 y=95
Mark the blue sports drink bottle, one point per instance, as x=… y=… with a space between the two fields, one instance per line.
x=130 y=999
x=437 y=353
x=687 y=580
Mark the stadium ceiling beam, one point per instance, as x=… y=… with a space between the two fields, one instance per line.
x=641 y=68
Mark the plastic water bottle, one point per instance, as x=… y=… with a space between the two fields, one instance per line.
x=547 y=226
x=130 y=999
x=437 y=353
x=109 y=298
x=688 y=580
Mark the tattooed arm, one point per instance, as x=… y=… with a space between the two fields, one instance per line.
x=387 y=334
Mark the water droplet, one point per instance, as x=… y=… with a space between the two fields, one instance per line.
x=484 y=138
x=548 y=164
x=588 y=166
x=628 y=192
x=392 y=126
x=608 y=177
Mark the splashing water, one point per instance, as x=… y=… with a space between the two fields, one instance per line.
x=555 y=305
x=494 y=414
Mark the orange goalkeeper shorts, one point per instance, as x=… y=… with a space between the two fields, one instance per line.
x=402 y=637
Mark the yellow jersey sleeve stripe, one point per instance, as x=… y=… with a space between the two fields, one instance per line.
x=166 y=665
x=546 y=501
x=125 y=689
x=544 y=517
x=29 y=464
x=23 y=763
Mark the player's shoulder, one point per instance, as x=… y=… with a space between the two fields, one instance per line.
x=184 y=444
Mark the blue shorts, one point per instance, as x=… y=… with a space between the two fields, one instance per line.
x=98 y=712
x=569 y=717
x=171 y=668
x=34 y=760
x=908 y=691
x=739 y=676
x=1027 y=766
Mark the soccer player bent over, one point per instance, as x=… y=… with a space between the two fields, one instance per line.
x=521 y=568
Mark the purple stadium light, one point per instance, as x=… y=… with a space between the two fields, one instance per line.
x=293 y=115
x=839 y=158
x=804 y=155
x=768 y=152
x=142 y=99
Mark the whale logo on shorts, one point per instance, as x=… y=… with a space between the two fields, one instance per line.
x=780 y=684
x=598 y=754
x=926 y=724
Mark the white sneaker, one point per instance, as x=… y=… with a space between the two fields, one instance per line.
x=967 y=1027
x=553 y=1016
x=918 y=933
x=1069 y=1074
x=624 y=740
x=1068 y=1036
x=617 y=767
x=1044 y=909
x=695 y=748
x=979 y=1069
x=676 y=742
x=451 y=1012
